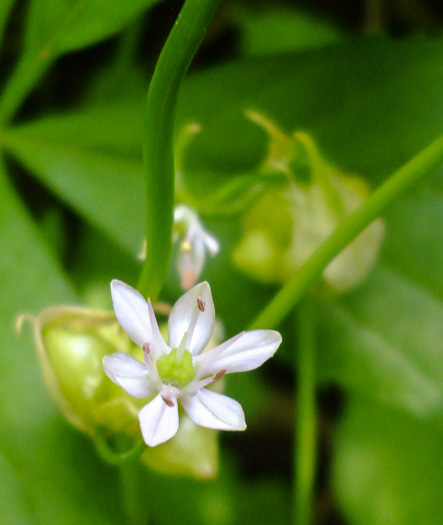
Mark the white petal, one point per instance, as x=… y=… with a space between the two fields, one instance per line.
x=137 y=318
x=189 y=267
x=158 y=421
x=212 y=410
x=129 y=373
x=211 y=243
x=196 y=257
x=247 y=351
x=132 y=312
x=183 y=313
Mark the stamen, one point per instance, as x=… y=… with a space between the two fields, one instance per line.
x=206 y=358
x=186 y=246
x=193 y=387
x=201 y=305
x=149 y=364
x=146 y=351
x=168 y=401
x=219 y=374
x=181 y=348
x=187 y=336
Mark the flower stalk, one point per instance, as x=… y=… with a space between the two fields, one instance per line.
x=305 y=428
x=158 y=158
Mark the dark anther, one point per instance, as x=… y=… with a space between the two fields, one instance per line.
x=219 y=374
x=168 y=401
x=201 y=304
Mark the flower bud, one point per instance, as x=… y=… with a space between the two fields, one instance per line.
x=287 y=224
x=71 y=344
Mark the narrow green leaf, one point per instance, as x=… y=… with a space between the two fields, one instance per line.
x=5 y=9
x=54 y=28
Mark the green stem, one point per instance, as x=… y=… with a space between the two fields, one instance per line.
x=391 y=190
x=305 y=416
x=175 y=58
x=117 y=458
x=134 y=494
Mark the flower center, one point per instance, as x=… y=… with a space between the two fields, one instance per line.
x=176 y=371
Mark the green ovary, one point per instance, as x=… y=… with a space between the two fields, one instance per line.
x=178 y=373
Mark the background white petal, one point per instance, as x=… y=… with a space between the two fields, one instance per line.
x=247 y=352
x=182 y=314
x=129 y=373
x=132 y=312
x=158 y=421
x=212 y=410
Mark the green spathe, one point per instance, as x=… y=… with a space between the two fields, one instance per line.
x=176 y=370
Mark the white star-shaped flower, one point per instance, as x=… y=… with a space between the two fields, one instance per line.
x=180 y=370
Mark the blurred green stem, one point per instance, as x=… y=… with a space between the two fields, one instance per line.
x=175 y=58
x=134 y=494
x=391 y=190
x=117 y=458
x=132 y=487
x=305 y=429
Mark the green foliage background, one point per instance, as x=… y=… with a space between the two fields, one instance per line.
x=72 y=218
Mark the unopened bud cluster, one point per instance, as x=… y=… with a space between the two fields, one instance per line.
x=288 y=223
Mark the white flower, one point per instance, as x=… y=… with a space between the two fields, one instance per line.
x=179 y=371
x=194 y=242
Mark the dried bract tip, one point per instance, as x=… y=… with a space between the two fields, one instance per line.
x=21 y=319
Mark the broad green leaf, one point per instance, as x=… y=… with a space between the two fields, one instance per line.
x=385 y=344
x=280 y=30
x=420 y=258
x=114 y=128
x=16 y=507
x=387 y=467
x=384 y=340
x=372 y=103
x=53 y=473
x=104 y=186
x=67 y=25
